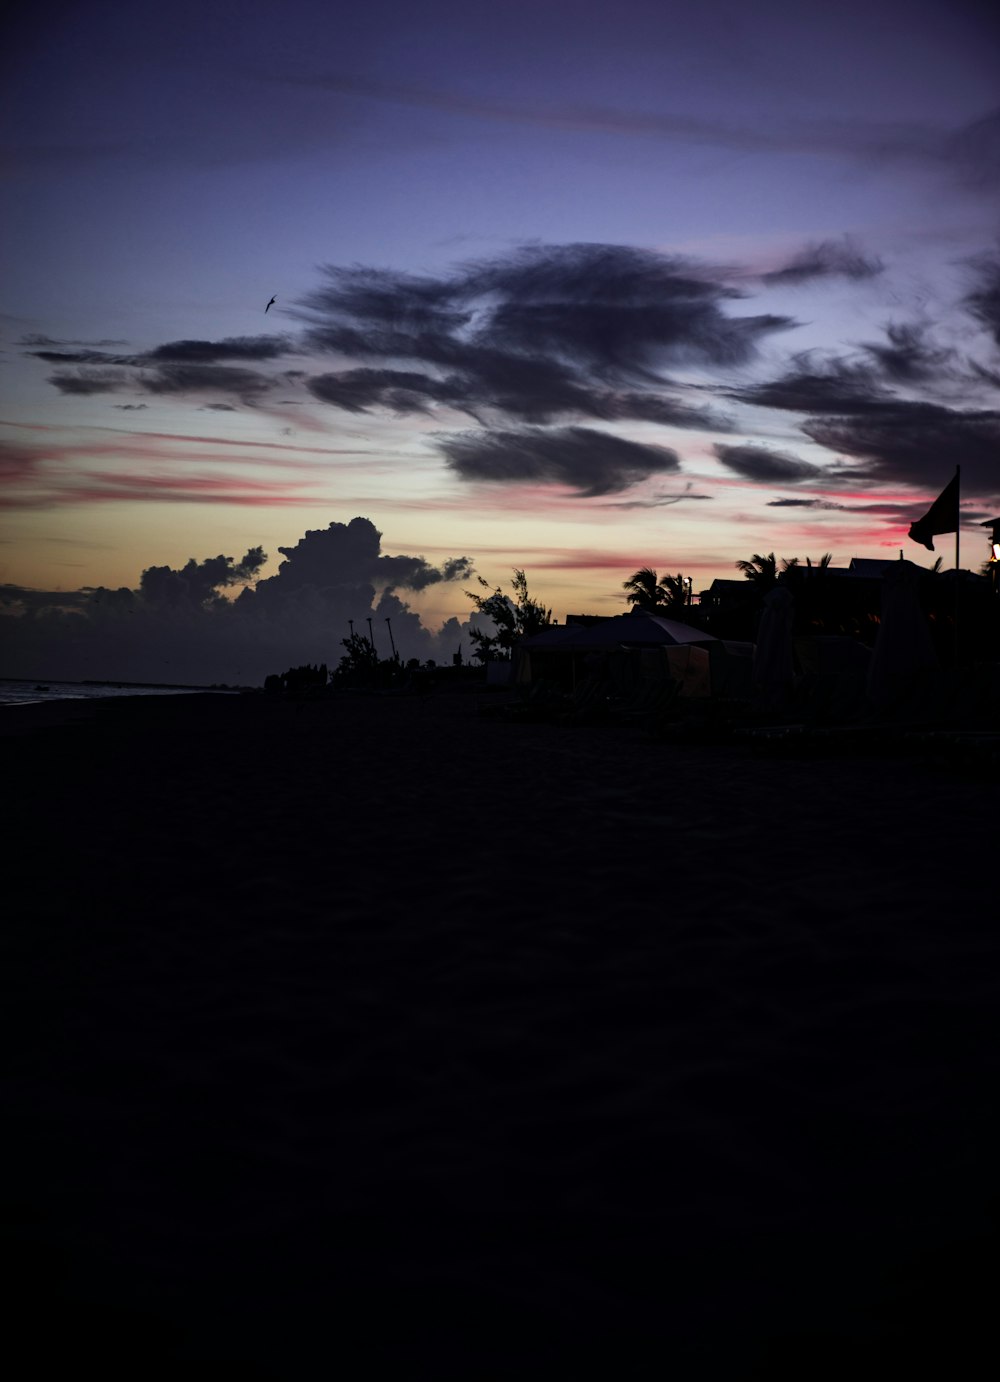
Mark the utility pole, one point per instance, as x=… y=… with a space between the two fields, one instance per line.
x=371 y=637
x=392 y=642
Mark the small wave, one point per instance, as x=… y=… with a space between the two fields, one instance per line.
x=38 y=693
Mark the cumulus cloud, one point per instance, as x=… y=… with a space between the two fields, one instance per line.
x=340 y=555
x=178 y=625
x=198 y=583
x=758 y=463
x=588 y=462
x=415 y=573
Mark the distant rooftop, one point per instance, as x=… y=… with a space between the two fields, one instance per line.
x=869 y=566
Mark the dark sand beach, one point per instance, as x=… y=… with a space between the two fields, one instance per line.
x=379 y=1037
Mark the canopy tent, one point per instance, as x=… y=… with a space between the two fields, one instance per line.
x=638 y=630
x=611 y=646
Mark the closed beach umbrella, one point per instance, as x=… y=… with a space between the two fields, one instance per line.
x=903 y=651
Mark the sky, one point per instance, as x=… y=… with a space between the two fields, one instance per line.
x=560 y=286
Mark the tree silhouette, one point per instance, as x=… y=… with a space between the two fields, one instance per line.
x=360 y=661
x=643 y=588
x=763 y=570
x=648 y=591
x=513 y=619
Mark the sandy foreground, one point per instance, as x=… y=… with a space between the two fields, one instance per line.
x=381 y=1038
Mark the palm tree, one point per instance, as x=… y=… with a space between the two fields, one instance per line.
x=648 y=591
x=674 y=598
x=763 y=571
x=643 y=588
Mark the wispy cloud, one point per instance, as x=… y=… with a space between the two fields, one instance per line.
x=54 y=468
x=185 y=368
x=828 y=259
x=984 y=299
x=539 y=344
x=969 y=152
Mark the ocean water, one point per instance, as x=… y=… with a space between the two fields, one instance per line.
x=36 y=692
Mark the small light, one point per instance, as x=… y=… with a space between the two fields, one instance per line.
x=996 y=552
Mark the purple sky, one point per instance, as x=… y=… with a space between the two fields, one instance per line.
x=566 y=286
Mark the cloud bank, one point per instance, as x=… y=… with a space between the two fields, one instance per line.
x=555 y=351
x=177 y=625
x=548 y=335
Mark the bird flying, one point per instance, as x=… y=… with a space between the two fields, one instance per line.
x=273 y=300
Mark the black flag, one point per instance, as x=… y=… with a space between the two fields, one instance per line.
x=941 y=517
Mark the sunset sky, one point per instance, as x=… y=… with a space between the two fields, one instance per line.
x=566 y=286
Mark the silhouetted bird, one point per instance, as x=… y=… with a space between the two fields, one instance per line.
x=273 y=300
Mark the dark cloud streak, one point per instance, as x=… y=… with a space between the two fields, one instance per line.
x=591 y=463
x=547 y=334
x=177 y=367
x=828 y=259
x=764 y=466
x=908 y=357
x=984 y=300
x=918 y=443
